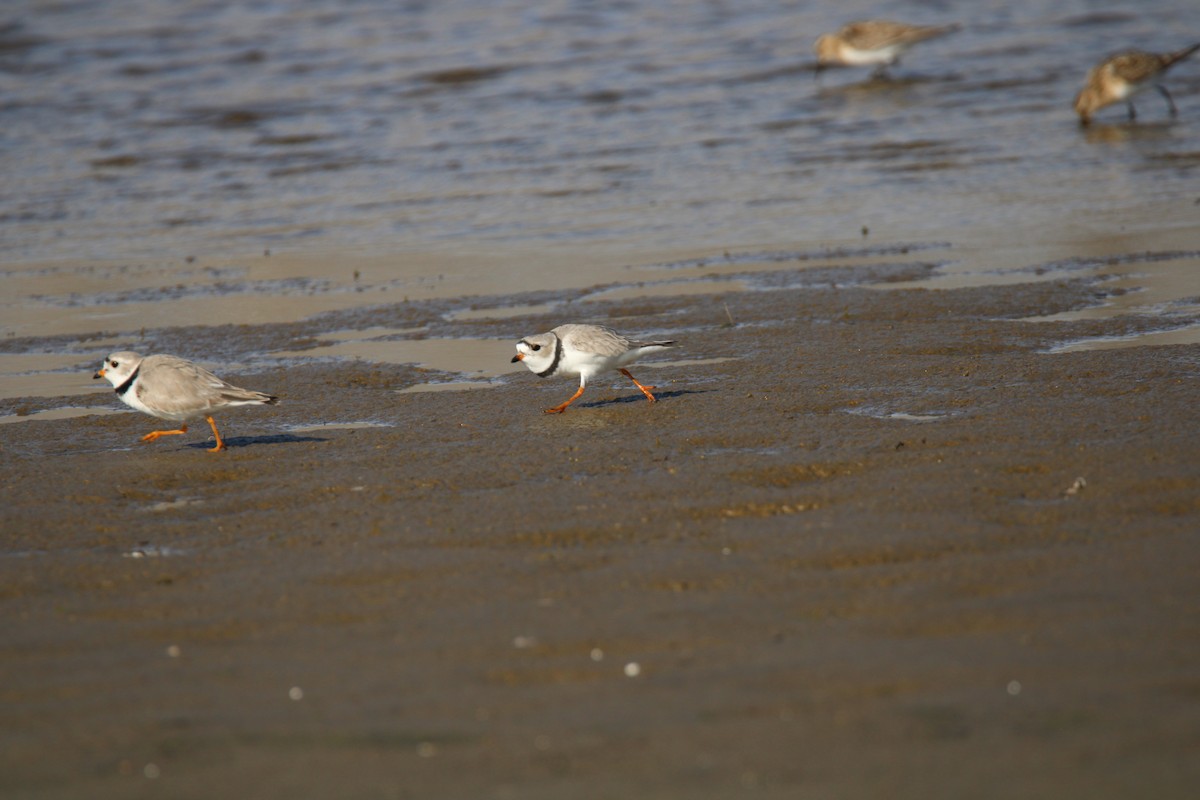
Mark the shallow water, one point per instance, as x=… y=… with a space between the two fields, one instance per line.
x=481 y=358
x=196 y=163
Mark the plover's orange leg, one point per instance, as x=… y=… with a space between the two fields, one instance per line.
x=563 y=407
x=220 y=445
x=152 y=435
x=645 y=389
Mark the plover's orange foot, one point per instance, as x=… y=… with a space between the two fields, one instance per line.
x=216 y=435
x=153 y=435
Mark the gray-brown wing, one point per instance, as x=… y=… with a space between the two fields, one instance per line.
x=593 y=339
x=878 y=33
x=178 y=386
x=1136 y=66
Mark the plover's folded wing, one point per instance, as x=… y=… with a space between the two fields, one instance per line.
x=594 y=339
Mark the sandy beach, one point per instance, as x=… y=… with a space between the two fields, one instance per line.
x=830 y=561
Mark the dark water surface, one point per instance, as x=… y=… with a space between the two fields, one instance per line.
x=153 y=153
x=143 y=128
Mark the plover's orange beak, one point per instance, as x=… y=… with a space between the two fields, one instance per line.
x=517 y=357
x=99 y=374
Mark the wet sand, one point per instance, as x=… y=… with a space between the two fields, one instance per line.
x=852 y=559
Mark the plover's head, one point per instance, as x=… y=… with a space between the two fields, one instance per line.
x=117 y=368
x=536 y=352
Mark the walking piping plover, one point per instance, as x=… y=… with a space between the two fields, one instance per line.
x=873 y=42
x=583 y=350
x=1121 y=76
x=172 y=388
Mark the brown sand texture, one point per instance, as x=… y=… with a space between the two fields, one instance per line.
x=868 y=543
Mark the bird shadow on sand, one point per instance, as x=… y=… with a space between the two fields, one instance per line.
x=639 y=398
x=247 y=441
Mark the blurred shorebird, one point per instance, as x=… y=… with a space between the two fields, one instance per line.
x=1121 y=76
x=875 y=42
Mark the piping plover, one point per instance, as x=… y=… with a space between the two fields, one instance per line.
x=873 y=42
x=583 y=350
x=1121 y=76
x=172 y=388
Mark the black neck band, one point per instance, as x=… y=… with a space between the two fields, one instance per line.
x=124 y=387
x=557 y=357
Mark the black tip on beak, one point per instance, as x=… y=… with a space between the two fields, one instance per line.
x=515 y=359
x=97 y=376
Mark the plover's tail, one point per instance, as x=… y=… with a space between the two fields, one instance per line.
x=246 y=397
x=953 y=27
x=922 y=33
x=652 y=345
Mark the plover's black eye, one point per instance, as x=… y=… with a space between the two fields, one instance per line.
x=114 y=364
x=537 y=347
